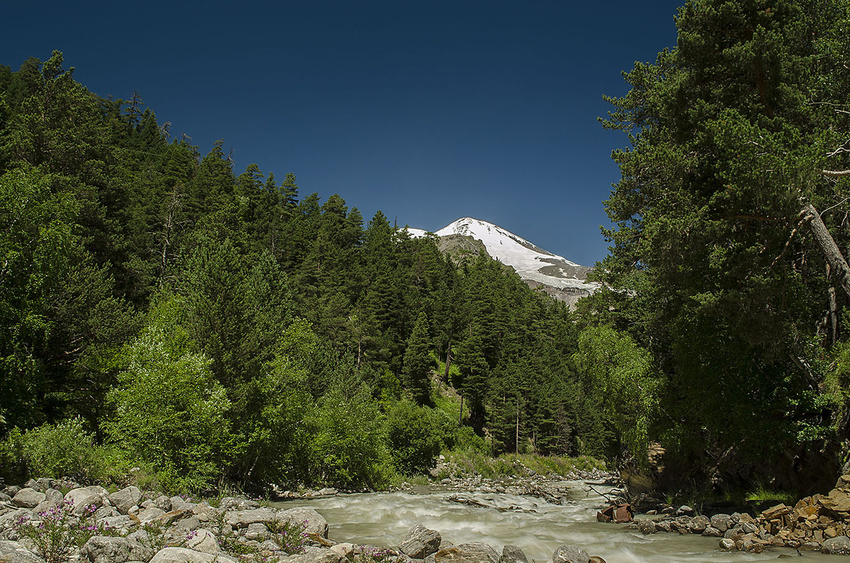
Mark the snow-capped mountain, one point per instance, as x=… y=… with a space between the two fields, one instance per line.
x=561 y=278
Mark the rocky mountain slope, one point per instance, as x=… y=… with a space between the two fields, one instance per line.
x=561 y=278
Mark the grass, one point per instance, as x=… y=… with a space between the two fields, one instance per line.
x=467 y=463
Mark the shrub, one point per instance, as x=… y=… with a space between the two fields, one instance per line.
x=413 y=436
x=58 y=532
x=61 y=450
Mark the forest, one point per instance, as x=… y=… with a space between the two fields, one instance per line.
x=165 y=313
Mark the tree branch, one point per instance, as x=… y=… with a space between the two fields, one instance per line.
x=835 y=173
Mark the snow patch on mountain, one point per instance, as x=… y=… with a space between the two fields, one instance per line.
x=531 y=262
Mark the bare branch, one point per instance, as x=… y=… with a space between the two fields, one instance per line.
x=835 y=173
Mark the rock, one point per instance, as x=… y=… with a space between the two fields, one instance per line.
x=420 y=542
x=749 y=528
x=721 y=521
x=513 y=554
x=125 y=499
x=28 y=498
x=775 y=512
x=109 y=549
x=839 y=545
x=163 y=503
x=646 y=527
x=712 y=532
x=570 y=554
x=244 y=518
x=685 y=510
x=203 y=541
x=149 y=514
x=323 y=556
x=178 y=503
x=315 y=522
x=344 y=549
x=233 y=503
x=326 y=492
x=52 y=498
x=256 y=531
x=13 y=552
x=475 y=552
x=190 y=523
x=727 y=544
x=698 y=524
x=183 y=555
x=83 y=498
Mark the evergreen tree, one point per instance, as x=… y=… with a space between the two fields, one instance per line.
x=418 y=362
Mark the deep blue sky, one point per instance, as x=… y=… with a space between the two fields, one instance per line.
x=428 y=110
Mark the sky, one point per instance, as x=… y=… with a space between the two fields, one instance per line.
x=428 y=110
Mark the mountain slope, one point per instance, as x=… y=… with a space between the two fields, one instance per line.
x=561 y=278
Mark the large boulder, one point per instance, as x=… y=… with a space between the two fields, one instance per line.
x=570 y=554
x=28 y=498
x=82 y=499
x=125 y=499
x=183 y=555
x=202 y=540
x=112 y=549
x=420 y=542
x=52 y=498
x=244 y=518
x=314 y=523
x=839 y=545
x=13 y=552
x=475 y=552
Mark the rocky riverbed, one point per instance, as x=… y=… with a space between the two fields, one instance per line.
x=815 y=523
x=39 y=523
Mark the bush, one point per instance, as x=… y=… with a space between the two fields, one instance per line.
x=349 y=440
x=170 y=412
x=413 y=436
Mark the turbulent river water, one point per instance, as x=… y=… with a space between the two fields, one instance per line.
x=383 y=519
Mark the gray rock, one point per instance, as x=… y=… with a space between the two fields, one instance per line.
x=190 y=523
x=244 y=518
x=52 y=498
x=513 y=554
x=109 y=549
x=570 y=554
x=749 y=528
x=324 y=556
x=721 y=521
x=177 y=503
x=234 y=503
x=28 y=498
x=162 y=502
x=82 y=498
x=149 y=514
x=183 y=555
x=420 y=542
x=314 y=523
x=125 y=499
x=13 y=552
x=839 y=545
x=204 y=541
x=475 y=552
x=256 y=531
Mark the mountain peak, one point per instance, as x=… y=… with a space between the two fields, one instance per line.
x=561 y=278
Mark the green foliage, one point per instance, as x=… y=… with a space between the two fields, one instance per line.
x=413 y=434
x=169 y=409
x=624 y=377
x=349 y=441
x=61 y=450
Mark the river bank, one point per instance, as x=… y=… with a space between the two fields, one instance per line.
x=38 y=523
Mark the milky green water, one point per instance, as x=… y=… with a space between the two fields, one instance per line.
x=383 y=519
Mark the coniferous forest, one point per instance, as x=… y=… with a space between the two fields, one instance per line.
x=215 y=326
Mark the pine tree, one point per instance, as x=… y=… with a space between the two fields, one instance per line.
x=418 y=362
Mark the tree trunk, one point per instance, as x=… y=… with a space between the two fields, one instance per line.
x=827 y=245
x=448 y=362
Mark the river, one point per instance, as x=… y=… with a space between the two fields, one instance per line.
x=383 y=519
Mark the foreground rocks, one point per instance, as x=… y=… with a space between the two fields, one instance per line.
x=816 y=523
x=128 y=526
